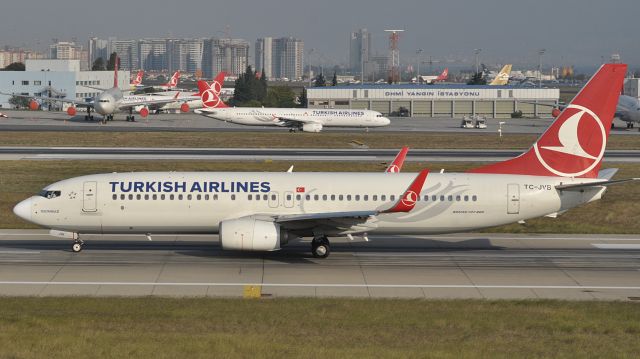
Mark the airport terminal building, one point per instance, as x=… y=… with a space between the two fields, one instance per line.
x=455 y=100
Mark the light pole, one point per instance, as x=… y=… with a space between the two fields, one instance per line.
x=418 y=52
x=477 y=52
x=540 y=53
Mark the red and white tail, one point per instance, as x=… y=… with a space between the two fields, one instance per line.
x=210 y=94
x=574 y=144
x=115 y=72
x=444 y=75
x=138 y=80
x=397 y=163
x=173 y=82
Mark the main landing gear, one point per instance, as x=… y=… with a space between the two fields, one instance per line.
x=77 y=246
x=320 y=247
x=130 y=116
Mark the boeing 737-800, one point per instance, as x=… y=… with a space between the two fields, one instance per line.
x=263 y=211
x=304 y=119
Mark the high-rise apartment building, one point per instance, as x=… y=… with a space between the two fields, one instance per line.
x=280 y=58
x=360 y=51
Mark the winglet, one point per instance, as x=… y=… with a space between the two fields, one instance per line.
x=397 y=163
x=410 y=196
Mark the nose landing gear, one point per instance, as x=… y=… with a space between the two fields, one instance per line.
x=76 y=247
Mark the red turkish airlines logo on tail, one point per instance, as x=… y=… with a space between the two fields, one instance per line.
x=574 y=144
x=393 y=169
x=410 y=198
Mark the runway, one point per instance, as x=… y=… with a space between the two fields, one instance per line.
x=277 y=154
x=580 y=267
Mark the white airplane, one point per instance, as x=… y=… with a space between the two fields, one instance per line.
x=502 y=77
x=628 y=110
x=304 y=119
x=432 y=79
x=194 y=101
x=111 y=101
x=259 y=211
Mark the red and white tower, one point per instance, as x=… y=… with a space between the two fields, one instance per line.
x=394 y=52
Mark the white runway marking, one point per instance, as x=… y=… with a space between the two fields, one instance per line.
x=615 y=246
x=334 y=285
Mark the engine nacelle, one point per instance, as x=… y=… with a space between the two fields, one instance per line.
x=33 y=105
x=71 y=111
x=184 y=107
x=555 y=112
x=252 y=234
x=311 y=127
x=144 y=112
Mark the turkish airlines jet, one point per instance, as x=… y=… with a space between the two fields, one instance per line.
x=111 y=101
x=433 y=79
x=194 y=101
x=137 y=81
x=304 y=119
x=260 y=211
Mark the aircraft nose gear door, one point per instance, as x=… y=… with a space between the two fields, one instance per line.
x=90 y=200
x=513 y=198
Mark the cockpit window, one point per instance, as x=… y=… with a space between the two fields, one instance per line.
x=378 y=115
x=104 y=101
x=49 y=194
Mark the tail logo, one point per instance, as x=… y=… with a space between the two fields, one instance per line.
x=210 y=99
x=410 y=199
x=579 y=129
x=393 y=169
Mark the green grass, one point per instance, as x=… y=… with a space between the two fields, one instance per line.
x=315 y=328
x=286 y=140
x=617 y=212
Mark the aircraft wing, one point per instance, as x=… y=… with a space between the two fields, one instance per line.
x=127 y=105
x=354 y=221
x=291 y=121
x=45 y=98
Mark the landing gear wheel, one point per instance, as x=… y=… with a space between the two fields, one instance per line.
x=76 y=247
x=320 y=248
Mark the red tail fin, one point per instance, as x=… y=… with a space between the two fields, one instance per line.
x=173 y=82
x=138 y=80
x=574 y=144
x=210 y=98
x=411 y=195
x=397 y=163
x=218 y=82
x=444 y=75
x=115 y=72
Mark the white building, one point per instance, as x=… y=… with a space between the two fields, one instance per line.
x=57 y=78
x=437 y=100
x=280 y=58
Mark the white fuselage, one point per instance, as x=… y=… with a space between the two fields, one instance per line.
x=257 y=116
x=196 y=202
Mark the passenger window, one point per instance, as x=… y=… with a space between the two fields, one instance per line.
x=333 y=197
x=138 y=197
x=171 y=197
x=265 y=197
x=316 y=197
x=162 y=197
x=257 y=197
x=375 y=197
x=393 y=197
x=434 y=198
x=249 y=197
x=298 y=197
x=288 y=197
x=114 y=197
x=357 y=197
x=426 y=198
x=383 y=197
x=215 y=197
x=324 y=197
x=458 y=198
x=450 y=198
x=274 y=197
x=155 y=197
x=466 y=198
x=474 y=198
x=199 y=197
x=233 y=197
x=180 y=197
x=442 y=198
x=348 y=197
x=130 y=197
x=366 y=197
x=146 y=197
x=307 y=197
x=122 y=197
x=340 y=197
x=189 y=197
x=206 y=197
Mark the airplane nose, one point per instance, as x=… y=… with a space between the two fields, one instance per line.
x=23 y=209
x=385 y=121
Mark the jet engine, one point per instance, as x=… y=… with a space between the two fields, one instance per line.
x=252 y=234
x=71 y=111
x=555 y=112
x=144 y=112
x=184 y=107
x=311 y=127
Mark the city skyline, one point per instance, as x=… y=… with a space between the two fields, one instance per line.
x=572 y=32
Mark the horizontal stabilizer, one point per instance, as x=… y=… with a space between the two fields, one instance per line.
x=579 y=186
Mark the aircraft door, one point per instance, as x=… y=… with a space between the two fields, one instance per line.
x=288 y=199
x=274 y=200
x=513 y=198
x=90 y=197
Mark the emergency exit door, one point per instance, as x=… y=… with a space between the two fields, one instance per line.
x=513 y=198
x=90 y=197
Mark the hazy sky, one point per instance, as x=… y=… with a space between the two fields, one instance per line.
x=576 y=32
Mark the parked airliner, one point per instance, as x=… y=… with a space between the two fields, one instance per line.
x=262 y=211
x=304 y=119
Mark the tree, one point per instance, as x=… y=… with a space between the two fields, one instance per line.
x=303 y=98
x=280 y=96
x=111 y=64
x=98 y=65
x=477 y=79
x=15 y=66
x=334 y=80
x=250 y=89
x=320 y=81
x=19 y=102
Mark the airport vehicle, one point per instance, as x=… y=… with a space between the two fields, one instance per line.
x=263 y=211
x=502 y=78
x=466 y=122
x=111 y=101
x=480 y=122
x=303 y=119
x=436 y=78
